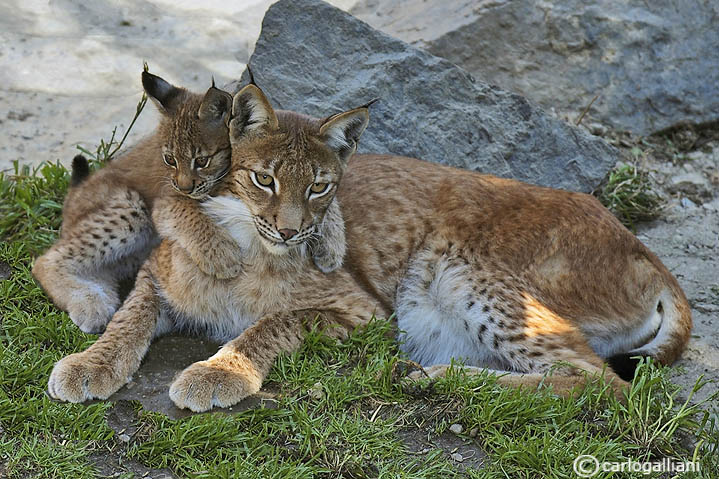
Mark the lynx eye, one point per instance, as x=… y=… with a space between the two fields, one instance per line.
x=263 y=181
x=202 y=162
x=169 y=160
x=319 y=187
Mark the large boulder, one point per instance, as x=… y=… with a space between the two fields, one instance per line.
x=317 y=59
x=654 y=64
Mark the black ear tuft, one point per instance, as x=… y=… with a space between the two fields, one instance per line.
x=165 y=95
x=80 y=170
x=625 y=365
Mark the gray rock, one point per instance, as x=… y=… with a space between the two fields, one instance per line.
x=314 y=58
x=456 y=428
x=653 y=63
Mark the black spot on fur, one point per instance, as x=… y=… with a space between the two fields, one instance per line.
x=80 y=170
x=495 y=341
x=134 y=214
x=466 y=325
x=112 y=237
x=485 y=308
x=491 y=319
x=625 y=365
x=470 y=304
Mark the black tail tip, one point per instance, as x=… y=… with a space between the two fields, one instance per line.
x=80 y=170
x=625 y=365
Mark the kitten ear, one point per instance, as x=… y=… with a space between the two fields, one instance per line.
x=216 y=105
x=342 y=131
x=167 y=97
x=251 y=112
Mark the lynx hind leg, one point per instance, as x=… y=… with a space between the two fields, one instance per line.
x=81 y=271
x=329 y=247
x=107 y=365
x=452 y=308
x=564 y=380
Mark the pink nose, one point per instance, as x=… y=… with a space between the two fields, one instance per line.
x=287 y=233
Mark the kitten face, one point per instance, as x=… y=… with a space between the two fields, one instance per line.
x=197 y=148
x=197 y=156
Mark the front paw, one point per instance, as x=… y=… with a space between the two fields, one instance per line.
x=80 y=377
x=207 y=384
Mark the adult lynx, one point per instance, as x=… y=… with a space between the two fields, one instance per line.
x=490 y=271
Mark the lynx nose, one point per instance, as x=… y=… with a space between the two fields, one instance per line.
x=186 y=187
x=287 y=233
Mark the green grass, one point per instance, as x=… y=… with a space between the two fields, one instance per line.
x=629 y=194
x=343 y=409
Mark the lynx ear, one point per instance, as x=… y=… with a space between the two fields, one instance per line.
x=167 y=97
x=216 y=105
x=251 y=112
x=342 y=131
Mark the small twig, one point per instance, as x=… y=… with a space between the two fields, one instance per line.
x=138 y=110
x=586 y=109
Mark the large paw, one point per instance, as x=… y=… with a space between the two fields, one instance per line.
x=79 y=377
x=92 y=307
x=208 y=384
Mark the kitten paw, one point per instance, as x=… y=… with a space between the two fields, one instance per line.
x=78 y=378
x=208 y=384
x=92 y=308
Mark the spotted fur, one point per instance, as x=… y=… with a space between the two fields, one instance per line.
x=537 y=283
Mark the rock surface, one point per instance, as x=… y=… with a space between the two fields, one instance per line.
x=653 y=64
x=428 y=107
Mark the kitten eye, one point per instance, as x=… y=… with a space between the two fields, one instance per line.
x=202 y=162
x=319 y=187
x=169 y=160
x=263 y=180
